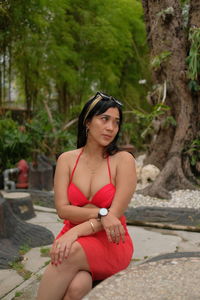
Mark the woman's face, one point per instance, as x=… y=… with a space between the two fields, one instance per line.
x=103 y=128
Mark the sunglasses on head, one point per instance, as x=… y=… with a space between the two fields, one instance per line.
x=107 y=97
x=98 y=97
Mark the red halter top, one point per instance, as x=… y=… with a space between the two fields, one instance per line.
x=102 y=198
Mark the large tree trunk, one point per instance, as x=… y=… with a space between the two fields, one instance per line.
x=168 y=43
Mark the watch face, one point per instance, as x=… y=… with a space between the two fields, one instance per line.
x=103 y=212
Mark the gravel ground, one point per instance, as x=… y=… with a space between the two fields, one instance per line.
x=180 y=198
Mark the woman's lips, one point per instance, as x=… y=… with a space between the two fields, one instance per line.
x=106 y=136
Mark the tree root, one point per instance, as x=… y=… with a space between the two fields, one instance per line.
x=153 y=191
x=170 y=178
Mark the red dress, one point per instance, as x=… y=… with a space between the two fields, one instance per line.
x=104 y=258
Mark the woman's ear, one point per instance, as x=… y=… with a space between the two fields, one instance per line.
x=87 y=124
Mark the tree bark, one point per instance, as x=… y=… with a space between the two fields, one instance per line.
x=1 y=86
x=194 y=22
x=166 y=34
x=4 y=74
x=9 y=73
x=27 y=93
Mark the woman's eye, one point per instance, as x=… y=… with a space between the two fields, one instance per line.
x=104 y=118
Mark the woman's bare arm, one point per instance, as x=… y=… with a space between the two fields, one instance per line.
x=125 y=187
x=67 y=239
x=126 y=181
x=61 y=181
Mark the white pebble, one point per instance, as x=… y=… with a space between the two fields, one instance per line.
x=180 y=198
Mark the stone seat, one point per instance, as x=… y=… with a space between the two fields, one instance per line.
x=172 y=278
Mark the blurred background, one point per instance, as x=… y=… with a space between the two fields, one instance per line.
x=55 y=55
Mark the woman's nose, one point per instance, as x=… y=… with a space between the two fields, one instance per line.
x=110 y=126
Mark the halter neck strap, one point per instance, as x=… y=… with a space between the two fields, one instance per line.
x=75 y=166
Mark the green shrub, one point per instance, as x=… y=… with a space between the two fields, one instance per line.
x=50 y=138
x=37 y=135
x=15 y=143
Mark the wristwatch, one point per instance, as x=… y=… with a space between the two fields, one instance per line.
x=103 y=212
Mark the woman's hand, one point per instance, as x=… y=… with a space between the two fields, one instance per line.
x=61 y=247
x=113 y=227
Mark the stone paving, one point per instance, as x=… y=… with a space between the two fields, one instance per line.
x=142 y=280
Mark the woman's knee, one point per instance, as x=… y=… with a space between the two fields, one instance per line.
x=75 y=292
x=77 y=256
x=75 y=248
x=75 y=252
x=76 y=259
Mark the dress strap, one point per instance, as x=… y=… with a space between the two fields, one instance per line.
x=108 y=161
x=75 y=166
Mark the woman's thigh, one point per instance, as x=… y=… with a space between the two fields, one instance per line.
x=57 y=279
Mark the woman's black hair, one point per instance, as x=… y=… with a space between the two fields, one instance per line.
x=98 y=109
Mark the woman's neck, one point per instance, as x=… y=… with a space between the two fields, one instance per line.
x=94 y=150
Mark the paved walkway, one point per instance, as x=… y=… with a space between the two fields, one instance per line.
x=174 y=278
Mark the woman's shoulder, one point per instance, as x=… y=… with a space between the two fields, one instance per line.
x=125 y=163
x=69 y=156
x=125 y=156
x=123 y=159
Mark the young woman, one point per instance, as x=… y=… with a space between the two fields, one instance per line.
x=93 y=186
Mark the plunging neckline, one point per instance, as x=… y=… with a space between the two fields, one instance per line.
x=95 y=194
x=106 y=188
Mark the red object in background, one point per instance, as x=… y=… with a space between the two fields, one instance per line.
x=22 y=177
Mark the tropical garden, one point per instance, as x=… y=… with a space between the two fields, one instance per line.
x=54 y=55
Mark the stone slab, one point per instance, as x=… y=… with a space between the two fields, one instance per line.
x=33 y=261
x=44 y=209
x=148 y=243
x=164 y=215
x=9 y=279
x=173 y=255
x=47 y=220
x=27 y=290
x=172 y=279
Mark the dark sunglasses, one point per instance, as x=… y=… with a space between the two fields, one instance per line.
x=107 y=97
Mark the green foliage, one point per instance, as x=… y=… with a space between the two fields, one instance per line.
x=24 y=249
x=184 y=2
x=194 y=85
x=47 y=262
x=138 y=128
x=158 y=109
x=64 y=50
x=35 y=136
x=18 y=294
x=159 y=59
x=49 y=138
x=15 y=144
x=193 y=59
x=19 y=268
x=170 y=121
x=185 y=12
x=45 y=252
x=194 y=151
